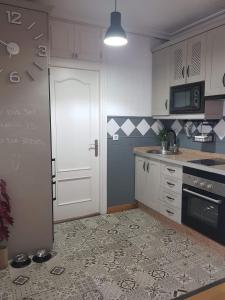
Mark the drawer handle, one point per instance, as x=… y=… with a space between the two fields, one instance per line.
x=170 y=212
x=223 y=80
x=171 y=170
x=170 y=184
x=170 y=198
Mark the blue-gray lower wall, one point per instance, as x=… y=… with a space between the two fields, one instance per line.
x=138 y=132
x=120 y=160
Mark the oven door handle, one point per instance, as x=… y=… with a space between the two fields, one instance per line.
x=203 y=197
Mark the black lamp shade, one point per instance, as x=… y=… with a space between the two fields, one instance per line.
x=115 y=35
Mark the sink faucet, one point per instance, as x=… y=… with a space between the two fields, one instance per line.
x=173 y=143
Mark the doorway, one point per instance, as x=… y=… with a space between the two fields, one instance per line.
x=75 y=122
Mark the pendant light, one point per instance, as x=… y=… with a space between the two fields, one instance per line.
x=115 y=35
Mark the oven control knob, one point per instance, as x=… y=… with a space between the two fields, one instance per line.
x=209 y=186
x=195 y=182
x=202 y=184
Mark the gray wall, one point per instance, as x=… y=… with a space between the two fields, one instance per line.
x=25 y=155
x=121 y=160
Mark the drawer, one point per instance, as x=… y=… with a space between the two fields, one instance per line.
x=171 y=212
x=172 y=170
x=172 y=184
x=170 y=198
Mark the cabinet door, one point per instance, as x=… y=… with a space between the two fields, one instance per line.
x=88 y=43
x=178 y=63
x=62 y=39
x=196 y=58
x=140 y=179
x=152 y=189
x=215 y=62
x=161 y=82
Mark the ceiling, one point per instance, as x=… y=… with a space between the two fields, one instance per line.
x=140 y=16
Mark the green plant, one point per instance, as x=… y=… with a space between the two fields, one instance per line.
x=163 y=135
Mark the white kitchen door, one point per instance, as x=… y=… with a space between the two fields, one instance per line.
x=75 y=142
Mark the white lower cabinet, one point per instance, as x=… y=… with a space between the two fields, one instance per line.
x=159 y=186
x=147 y=178
x=171 y=191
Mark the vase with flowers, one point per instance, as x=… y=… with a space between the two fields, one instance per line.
x=5 y=221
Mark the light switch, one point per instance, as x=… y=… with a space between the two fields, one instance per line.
x=115 y=137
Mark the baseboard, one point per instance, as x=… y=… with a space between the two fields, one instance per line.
x=74 y=219
x=118 y=208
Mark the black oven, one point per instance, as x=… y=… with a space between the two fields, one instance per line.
x=203 y=203
x=187 y=98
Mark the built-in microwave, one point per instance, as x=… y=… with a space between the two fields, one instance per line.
x=187 y=98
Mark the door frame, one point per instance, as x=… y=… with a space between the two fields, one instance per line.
x=73 y=64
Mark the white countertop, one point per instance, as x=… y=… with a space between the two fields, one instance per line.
x=184 y=157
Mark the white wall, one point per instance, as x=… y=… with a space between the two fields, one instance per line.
x=128 y=77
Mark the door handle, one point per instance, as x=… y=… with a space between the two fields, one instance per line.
x=144 y=166
x=53 y=168
x=203 y=196
x=53 y=190
x=94 y=147
x=223 y=80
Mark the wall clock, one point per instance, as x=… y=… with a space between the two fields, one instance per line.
x=23 y=44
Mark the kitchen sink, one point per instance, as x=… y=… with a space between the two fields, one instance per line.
x=168 y=152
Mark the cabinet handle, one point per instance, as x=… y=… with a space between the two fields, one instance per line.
x=224 y=79
x=183 y=71
x=170 y=184
x=144 y=166
x=171 y=170
x=188 y=69
x=170 y=212
x=166 y=104
x=75 y=55
x=148 y=167
x=170 y=198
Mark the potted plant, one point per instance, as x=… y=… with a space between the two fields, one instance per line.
x=163 y=136
x=5 y=221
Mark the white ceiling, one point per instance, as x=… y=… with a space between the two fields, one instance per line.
x=141 y=16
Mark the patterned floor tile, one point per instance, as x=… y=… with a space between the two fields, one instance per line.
x=125 y=256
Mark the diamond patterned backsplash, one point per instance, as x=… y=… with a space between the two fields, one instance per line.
x=147 y=126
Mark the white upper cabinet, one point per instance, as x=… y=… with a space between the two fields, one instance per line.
x=178 y=63
x=188 y=60
x=196 y=59
x=88 y=43
x=161 y=82
x=215 y=62
x=75 y=41
x=62 y=39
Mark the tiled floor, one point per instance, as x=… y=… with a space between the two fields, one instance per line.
x=124 y=256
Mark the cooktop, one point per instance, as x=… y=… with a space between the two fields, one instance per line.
x=209 y=162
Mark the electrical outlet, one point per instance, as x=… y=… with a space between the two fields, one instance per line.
x=115 y=137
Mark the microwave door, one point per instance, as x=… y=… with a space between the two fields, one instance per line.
x=181 y=100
